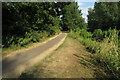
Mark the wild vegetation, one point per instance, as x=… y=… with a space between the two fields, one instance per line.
x=103 y=40
x=33 y=22
x=26 y=22
x=106 y=50
x=105 y=15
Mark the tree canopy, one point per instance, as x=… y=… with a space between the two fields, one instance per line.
x=27 y=20
x=105 y=15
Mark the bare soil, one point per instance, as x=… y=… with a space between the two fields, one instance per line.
x=70 y=60
x=15 y=64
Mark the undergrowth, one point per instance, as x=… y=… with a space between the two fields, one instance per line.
x=103 y=44
x=13 y=43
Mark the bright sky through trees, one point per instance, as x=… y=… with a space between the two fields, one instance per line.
x=84 y=5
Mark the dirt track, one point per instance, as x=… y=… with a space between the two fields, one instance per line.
x=14 y=65
x=70 y=60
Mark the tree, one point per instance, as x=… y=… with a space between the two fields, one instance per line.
x=28 y=18
x=72 y=17
x=105 y=15
x=25 y=22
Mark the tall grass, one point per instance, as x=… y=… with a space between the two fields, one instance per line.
x=105 y=45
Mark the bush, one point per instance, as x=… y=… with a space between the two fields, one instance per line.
x=110 y=33
x=109 y=53
x=54 y=30
x=98 y=35
x=85 y=34
x=107 y=49
x=112 y=36
x=32 y=36
x=74 y=35
x=91 y=46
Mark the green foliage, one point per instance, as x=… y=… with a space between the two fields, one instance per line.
x=104 y=15
x=112 y=34
x=74 y=34
x=98 y=35
x=91 y=46
x=109 y=54
x=107 y=49
x=80 y=32
x=85 y=34
x=54 y=30
x=103 y=20
x=27 y=22
x=72 y=17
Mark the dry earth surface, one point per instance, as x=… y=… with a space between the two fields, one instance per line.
x=14 y=65
x=70 y=60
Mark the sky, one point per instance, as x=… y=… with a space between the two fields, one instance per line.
x=84 y=7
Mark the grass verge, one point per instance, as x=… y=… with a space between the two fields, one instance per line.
x=105 y=50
